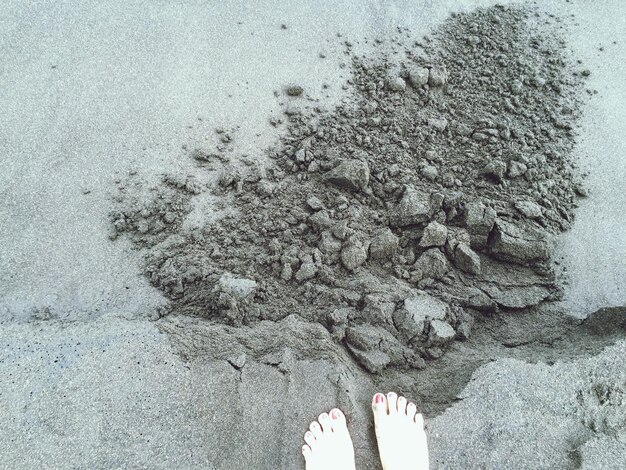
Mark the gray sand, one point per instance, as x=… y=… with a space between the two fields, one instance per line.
x=115 y=96
x=432 y=196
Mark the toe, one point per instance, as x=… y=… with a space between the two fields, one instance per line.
x=402 y=405
x=392 y=403
x=324 y=421
x=411 y=409
x=316 y=429
x=419 y=420
x=309 y=438
x=306 y=451
x=337 y=420
x=379 y=405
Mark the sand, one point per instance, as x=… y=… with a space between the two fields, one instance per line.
x=78 y=117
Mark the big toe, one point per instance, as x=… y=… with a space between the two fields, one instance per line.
x=379 y=405
x=338 y=421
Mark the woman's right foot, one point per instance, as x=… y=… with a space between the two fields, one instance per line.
x=400 y=433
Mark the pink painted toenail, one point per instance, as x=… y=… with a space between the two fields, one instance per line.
x=378 y=398
x=335 y=414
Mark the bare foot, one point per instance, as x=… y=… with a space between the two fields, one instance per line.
x=400 y=433
x=328 y=443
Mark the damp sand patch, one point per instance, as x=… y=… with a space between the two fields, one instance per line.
x=429 y=198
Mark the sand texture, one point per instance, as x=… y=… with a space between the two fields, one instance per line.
x=218 y=221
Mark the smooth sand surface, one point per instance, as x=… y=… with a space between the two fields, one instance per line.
x=594 y=250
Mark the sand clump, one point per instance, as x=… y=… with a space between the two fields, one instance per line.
x=431 y=195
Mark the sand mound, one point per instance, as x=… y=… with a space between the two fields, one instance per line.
x=430 y=196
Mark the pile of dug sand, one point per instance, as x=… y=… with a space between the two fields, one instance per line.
x=431 y=196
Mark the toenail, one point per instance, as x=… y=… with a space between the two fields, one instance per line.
x=335 y=414
x=378 y=398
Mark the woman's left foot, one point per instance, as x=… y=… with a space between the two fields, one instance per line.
x=328 y=443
